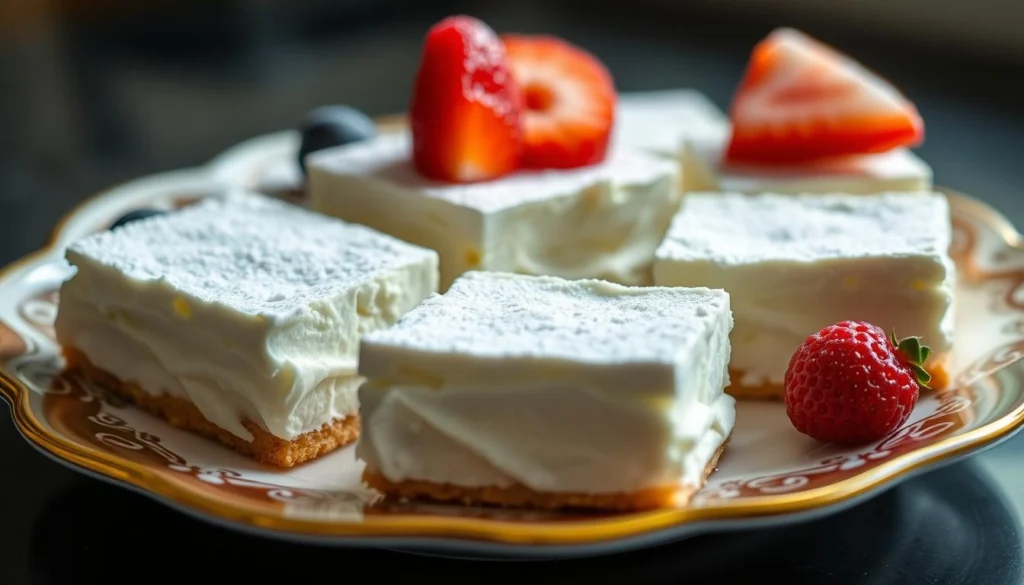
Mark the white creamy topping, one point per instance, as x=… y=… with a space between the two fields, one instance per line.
x=661 y=121
x=388 y=157
x=896 y=170
x=651 y=121
x=602 y=221
x=794 y=264
x=737 y=229
x=249 y=307
x=510 y=379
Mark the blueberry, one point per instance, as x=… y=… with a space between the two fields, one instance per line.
x=329 y=126
x=134 y=216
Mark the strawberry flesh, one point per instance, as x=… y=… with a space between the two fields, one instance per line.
x=569 y=101
x=801 y=100
x=466 y=106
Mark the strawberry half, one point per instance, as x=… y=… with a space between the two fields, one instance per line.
x=569 y=102
x=465 y=106
x=801 y=100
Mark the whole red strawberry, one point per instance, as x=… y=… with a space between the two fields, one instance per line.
x=849 y=383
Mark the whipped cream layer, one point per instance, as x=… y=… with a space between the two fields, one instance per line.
x=793 y=264
x=662 y=121
x=602 y=221
x=249 y=307
x=896 y=170
x=556 y=385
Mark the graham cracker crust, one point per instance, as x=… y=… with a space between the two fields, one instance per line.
x=183 y=414
x=938 y=368
x=520 y=496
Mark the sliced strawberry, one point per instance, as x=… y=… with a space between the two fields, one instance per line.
x=801 y=100
x=465 y=106
x=570 y=102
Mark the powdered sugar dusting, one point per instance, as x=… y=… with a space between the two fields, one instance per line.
x=731 y=228
x=493 y=314
x=254 y=254
x=388 y=157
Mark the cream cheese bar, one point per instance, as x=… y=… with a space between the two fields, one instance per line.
x=896 y=170
x=661 y=122
x=602 y=221
x=541 y=392
x=794 y=264
x=239 y=318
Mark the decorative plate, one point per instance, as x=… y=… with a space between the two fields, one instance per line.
x=769 y=474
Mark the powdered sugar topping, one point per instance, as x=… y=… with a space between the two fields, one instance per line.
x=497 y=315
x=254 y=254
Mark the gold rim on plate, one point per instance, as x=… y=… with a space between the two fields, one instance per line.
x=492 y=530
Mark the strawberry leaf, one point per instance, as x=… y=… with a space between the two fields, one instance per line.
x=926 y=352
x=917 y=354
x=923 y=377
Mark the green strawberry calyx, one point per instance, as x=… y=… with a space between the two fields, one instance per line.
x=917 y=354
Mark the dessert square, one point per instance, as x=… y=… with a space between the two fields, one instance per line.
x=793 y=264
x=542 y=392
x=602 y=221
x=662 y=121
x=239 y=318
x=895 y=170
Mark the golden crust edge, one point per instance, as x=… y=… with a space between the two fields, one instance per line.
x=520 y=496
x=182 y=413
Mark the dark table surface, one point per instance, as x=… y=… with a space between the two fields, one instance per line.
x=96 y=103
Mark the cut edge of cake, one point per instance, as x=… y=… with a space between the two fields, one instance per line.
x=287 y=438
x=939 y=364
x=705 y=443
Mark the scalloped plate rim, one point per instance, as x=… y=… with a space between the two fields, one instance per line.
x=461 y=548
x=446 y=532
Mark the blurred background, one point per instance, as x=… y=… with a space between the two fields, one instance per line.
x=100 y=91
x=96 y=92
